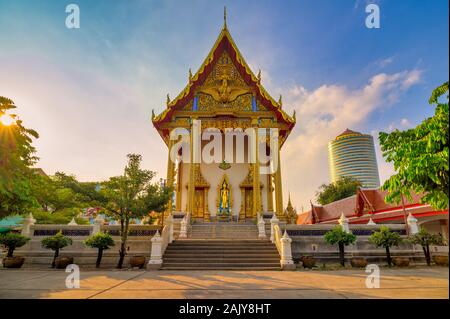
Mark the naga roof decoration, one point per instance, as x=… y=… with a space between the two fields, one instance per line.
x=223 y=44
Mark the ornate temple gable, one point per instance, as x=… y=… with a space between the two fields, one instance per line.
x=224 y=81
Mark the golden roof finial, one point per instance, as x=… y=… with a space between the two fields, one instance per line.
x=153 y=114
x=190 y=75
x=224 y=17
x=259 y=75
x=293 y=115
x=168 y=99
x=280 y=101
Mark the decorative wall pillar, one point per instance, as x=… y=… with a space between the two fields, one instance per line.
x=179 y=186
x=26 y=226
x=170 y=175
x=286 y=260
x=278 y=186
x=155 y=261
x=269 y=193
x=412 y=224
x=343 y=221
x=191 y=182
x=256 y=177
x=98 y=222
x=273 y=221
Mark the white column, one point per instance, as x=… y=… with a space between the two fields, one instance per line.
x=343 y=221
x=412 y=224
x=286 y=253
x=26 y=226
x=273 y=221
x=155 y=261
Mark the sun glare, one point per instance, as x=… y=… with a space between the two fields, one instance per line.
x=7 y=119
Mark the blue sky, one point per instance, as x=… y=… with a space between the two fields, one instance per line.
x=89 y=92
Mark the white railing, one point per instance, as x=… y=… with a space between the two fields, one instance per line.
x=283 y=244
x=184 y=224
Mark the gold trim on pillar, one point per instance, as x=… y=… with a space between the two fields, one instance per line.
x=201 y=183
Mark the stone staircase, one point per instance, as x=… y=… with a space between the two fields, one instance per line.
x=224 y=246
x=223 y=231
x=221 y=254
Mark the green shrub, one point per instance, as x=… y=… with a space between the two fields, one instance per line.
x=425 y=239
x=338 y=236
x=56 y=243
x=101 y=241
x=61 y=217
x=385 y=238
x=11 y=241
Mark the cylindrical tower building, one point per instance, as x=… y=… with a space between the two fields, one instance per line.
x=353 y=154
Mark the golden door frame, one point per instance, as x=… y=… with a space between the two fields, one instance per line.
x=200 y=183
x=247 y=183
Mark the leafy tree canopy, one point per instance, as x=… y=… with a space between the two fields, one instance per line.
x=338 y=235
x=345 y=187
x=16 y=156
x=385 y=238
x=421 y=157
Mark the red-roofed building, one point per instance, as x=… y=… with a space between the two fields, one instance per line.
x=369 y=204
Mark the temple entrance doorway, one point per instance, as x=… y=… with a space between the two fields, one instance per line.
x=199 y=203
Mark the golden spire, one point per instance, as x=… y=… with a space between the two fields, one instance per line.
x=280 y=101
x=259 y=76
x=168 y=99
x=190 y=75
x=224 y=17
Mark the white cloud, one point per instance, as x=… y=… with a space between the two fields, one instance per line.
x=324 y=113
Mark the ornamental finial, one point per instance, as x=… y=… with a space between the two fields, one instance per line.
x=224 y=17
x=153 y=114
x=190 y=75
x=168 y=99
x=259 y=75
x=293 y=115
x=280 y=101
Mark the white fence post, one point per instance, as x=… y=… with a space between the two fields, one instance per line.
x=26 y=226
x=286 y=253
x=343 y=221
x=273 y=221
x=412 y=224
x=155 y=261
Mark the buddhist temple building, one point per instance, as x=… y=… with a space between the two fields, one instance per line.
x=237 y=124
x=369 y=206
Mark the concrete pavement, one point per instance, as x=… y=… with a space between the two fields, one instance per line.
x=420 y=282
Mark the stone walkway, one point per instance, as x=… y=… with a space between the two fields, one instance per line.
x=395 y=283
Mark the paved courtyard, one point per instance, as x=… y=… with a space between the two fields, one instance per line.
x=395 y=283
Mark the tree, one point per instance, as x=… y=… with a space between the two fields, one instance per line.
x=385 y=238
x=425 y=239
x=56 y=243
x=132 y=195
x=16 y=157
x=11 y=241
x=101 y=241
x=345 y=187
x=338 y=236
x=420 y=157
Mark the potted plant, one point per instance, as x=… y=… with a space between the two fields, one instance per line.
x=425 y=239
x=56 y=243
x=385 y=238
x=308 y=261
x=338 y=236
x=400 y=261
x=358 y=262
x=11 y=241
x=137 y=261
x=101 y=241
